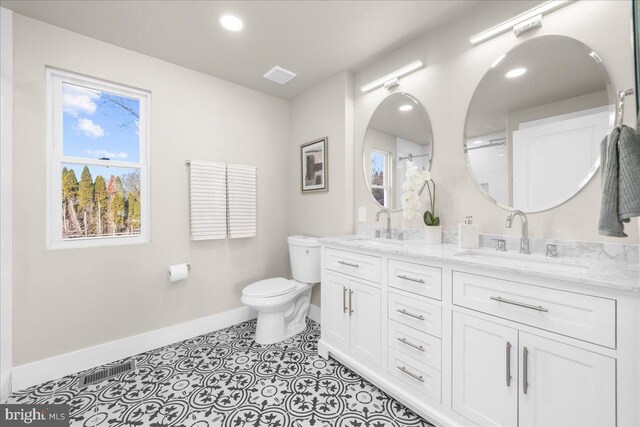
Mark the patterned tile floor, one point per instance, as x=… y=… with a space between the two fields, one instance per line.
x=225 y=379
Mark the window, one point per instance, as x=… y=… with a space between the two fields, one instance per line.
x=381 y=177
x=98 y=183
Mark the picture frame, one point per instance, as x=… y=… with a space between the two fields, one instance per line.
x=314 y=166
x=636 y=48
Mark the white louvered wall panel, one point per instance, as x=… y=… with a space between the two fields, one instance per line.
x=241 y=200
x=208 y=204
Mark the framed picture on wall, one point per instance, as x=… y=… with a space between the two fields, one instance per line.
x=313 y=156
x=636 y=41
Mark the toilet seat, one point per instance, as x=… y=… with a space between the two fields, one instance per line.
x=269 y=288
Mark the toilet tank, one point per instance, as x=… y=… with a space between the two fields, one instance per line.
x=304 y=254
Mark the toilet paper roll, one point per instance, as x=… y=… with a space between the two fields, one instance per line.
x=178 y=272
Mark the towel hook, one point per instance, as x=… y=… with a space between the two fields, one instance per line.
x=620 y=110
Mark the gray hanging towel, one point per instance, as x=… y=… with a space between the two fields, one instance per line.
x=620 y=171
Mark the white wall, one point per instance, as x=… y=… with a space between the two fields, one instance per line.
x=6 y=255
x=445 y=86
x=325 y=110
x=66 y=300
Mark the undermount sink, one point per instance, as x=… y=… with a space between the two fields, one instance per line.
x=522 y=261
x=377 y=241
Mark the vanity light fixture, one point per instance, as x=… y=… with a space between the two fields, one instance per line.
x=516 y=72
x=392 y=77
x=406 y=107
x=231 y=22
x=509 y=24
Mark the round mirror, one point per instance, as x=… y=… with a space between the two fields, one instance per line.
x=398 y=139
x=535 y=123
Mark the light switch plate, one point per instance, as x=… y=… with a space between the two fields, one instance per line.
x=362 y=214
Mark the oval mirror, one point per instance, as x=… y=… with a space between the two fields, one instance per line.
x=398 y=138
x=535 y=123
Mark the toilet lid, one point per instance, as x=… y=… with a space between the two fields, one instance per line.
x=270 y=287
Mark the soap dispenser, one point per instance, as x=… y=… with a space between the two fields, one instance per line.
x=468 y=234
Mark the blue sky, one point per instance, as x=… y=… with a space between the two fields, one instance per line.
x=99 y=124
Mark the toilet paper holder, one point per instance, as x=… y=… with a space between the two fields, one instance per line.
x=188 y=269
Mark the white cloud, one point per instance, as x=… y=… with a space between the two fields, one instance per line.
x=107 y=154
x=88 y=128
x=76 y=100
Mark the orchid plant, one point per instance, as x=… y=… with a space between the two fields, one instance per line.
x=414 y=180
x=430 y=218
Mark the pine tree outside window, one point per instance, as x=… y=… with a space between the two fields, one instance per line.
x=98 y=183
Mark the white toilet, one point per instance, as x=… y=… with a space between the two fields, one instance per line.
x=282 y=304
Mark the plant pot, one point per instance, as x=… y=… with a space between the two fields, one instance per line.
x=433 y=234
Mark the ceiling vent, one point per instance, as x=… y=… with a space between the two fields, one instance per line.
x=279 y=75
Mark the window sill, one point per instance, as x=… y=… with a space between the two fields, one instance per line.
x=97 y=242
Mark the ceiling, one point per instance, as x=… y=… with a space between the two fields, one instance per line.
x=413 y=125
x=314 y=39
x=558 y=68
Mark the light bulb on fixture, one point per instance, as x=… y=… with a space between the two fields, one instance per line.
x=231 y=22
x=406 y=107
x=516 y=72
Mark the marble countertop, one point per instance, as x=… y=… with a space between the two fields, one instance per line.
x=602 y=273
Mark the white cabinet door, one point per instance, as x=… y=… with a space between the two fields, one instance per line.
x=365 y=321
x=562 y=385
x=335 y=309
x=485 y=371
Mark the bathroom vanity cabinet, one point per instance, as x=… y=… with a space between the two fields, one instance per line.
x=466 y=344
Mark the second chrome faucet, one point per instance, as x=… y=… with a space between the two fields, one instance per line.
x=385 y=211
x=524 y=238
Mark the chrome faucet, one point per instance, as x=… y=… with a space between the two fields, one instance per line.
x=385 y=211
x=524 y=238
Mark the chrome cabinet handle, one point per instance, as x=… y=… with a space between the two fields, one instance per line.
x=410 y=344
x=348 y=264
x=350 y=306
x=406 y=313
x=520 y=304
x=344 y=300
x=411 y=374
x=508 y=364
x=525 y=365
x=411 y=279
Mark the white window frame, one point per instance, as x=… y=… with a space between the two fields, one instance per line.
x=386 y=181
x=55 y=159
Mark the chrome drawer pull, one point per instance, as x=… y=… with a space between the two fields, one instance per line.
x=520 y=304
x=410 y=344
x=508 y=364
x=344 y=300
x=415 y=316
x=348 y=264
x=525 y=368
x=350 y=306
x=411 y=374
x=411 y=279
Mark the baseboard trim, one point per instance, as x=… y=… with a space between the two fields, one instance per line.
x=314 y=313
x=24 y=376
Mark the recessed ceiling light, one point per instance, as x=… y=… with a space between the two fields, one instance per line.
x=231 y=22
x=516 y=72
x=406 y=107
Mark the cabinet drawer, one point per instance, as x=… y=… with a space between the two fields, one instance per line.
x=422 y=347
x=407 y=371
x=415 y=312
x=415 y=278
x=354 y=264
x=584 y=317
